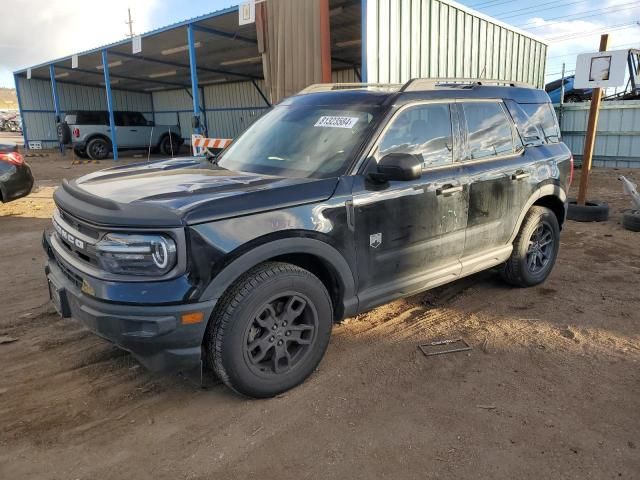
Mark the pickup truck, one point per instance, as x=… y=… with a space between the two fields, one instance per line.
x=89 y=133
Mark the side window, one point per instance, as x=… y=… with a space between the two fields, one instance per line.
x=531 y=134
x=489 y=130
x=120 y=119
x=423 y=130
x=137 y=119
x=542 y=114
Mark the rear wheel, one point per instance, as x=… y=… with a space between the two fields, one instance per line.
x=534 y=250
x=169 y=145
x=98 y=149
x=270 y=330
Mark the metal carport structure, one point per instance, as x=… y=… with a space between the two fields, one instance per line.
x=207 y=72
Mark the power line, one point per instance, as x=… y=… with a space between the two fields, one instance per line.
x=609 y=28
x=535 y=8
x=582 y=50
x=567 y=17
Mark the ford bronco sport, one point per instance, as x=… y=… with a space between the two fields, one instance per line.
x=340 y=199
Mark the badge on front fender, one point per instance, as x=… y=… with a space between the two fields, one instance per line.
x=375 y=240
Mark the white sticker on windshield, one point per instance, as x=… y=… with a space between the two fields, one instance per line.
x=336 y=122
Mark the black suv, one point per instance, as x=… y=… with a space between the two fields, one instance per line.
x=338 y=200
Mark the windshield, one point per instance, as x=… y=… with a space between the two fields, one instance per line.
x=300 y=141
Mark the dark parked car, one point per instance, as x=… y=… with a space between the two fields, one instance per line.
x=571 y=95
x=331 y=204
x=16 y=180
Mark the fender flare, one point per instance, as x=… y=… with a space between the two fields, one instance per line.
x=545 y=190
x=286 y=246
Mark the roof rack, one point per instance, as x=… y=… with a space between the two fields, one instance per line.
x=326 y=87
x=417 y=84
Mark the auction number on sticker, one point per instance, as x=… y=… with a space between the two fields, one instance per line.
x=336 y=122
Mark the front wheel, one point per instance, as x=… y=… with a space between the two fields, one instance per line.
x=269 y=330
x=535 y=249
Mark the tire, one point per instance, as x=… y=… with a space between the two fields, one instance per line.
x=631 y=220
x=591 y=211
x=540 y=225
x=253 y=312
x=80 y=153
x=166 y=145
x=64 y=133
x=98 y=149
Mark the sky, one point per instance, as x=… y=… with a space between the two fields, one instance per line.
x=35 y=31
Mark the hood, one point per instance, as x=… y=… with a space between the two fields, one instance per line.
x=182 y=191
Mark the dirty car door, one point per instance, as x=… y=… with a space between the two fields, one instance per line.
x=410 y=232
x=499 y=174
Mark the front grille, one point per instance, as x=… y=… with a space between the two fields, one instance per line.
x=75 y=279
x=79 y=225
x=76 y=237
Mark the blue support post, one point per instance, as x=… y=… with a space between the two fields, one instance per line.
x=363 y=66
x=194 y=80
x=112 y=121
x=56 y=100
x=23 y=120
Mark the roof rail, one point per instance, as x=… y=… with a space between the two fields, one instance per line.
x=326 y=87
x=417 y=84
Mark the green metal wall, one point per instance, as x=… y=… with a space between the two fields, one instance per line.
x=439 y=38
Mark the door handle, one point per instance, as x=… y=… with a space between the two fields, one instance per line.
x=520 y=175
x=447 y=190
x=133 y=130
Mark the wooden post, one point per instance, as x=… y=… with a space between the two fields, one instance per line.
x=590 y=139
x=325 y=41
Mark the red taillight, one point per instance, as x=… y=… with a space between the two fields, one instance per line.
x=76 y=132
x=571 y=172
x=13 y=157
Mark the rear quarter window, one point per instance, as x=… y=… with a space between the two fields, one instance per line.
x=544 y=117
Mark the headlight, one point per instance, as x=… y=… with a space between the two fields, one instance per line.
x=136 y=254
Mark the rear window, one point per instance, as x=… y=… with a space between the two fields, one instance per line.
x=544 y=117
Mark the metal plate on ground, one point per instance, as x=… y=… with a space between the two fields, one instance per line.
x=441 y=347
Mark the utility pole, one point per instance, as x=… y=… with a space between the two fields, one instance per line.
x=592 y=125
x=561 y=112
x=130 y=23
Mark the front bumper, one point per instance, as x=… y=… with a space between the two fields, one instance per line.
x=154 y=334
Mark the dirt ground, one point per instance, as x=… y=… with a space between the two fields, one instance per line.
x=550 y=390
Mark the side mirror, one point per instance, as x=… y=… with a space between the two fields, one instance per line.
x=151 y=123
x=398 y=166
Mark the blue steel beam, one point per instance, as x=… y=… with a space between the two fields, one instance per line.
x=194 y=79
x=127 y=77
x=220 y=33
x=112 y=122
x=56 y=100
x=184 y=65
x=21 y=109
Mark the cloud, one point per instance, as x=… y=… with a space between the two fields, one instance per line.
x=35 y=31
x=580 y=40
